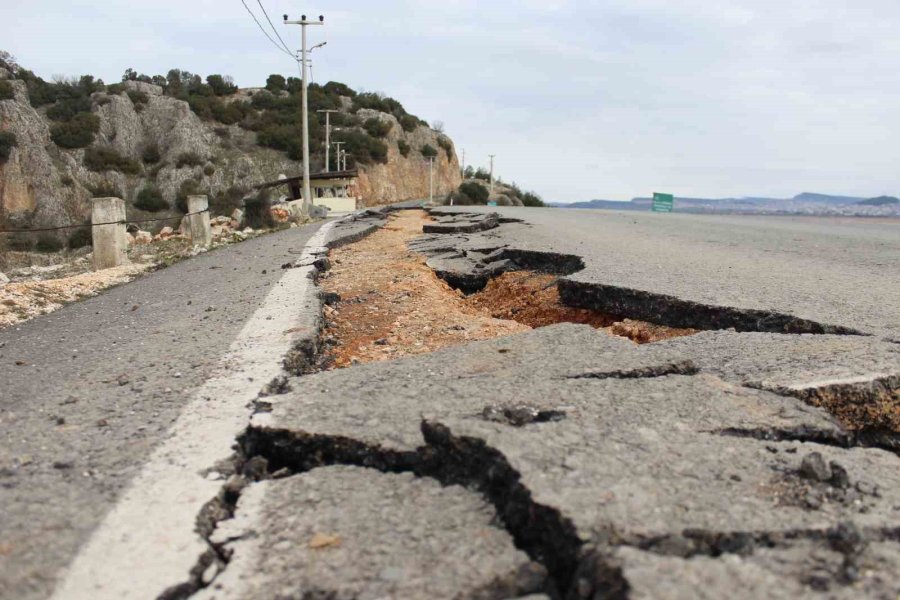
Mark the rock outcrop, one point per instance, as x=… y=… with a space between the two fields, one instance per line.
x=44 y=185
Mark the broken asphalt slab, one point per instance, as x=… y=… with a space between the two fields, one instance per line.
x=774 y=274
x=634 y=456
x=350 y=532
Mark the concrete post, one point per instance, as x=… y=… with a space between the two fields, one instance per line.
x=109 y=240
x=201 y=233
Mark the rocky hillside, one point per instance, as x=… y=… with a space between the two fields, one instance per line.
x=150 y=145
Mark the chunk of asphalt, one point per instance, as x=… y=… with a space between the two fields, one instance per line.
x=792 y=569
x=469 y=223
x=844 y=373
x=634 y=459
x=350 y=532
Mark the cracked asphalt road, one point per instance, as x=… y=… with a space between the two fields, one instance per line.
x=556 y=463
x=99 y=385
x=833 y=271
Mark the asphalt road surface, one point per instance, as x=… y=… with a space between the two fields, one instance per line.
x=834 y=271
x=558 y=463
x=90 y=390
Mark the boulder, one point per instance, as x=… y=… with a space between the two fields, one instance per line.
x=142 y=237
x=166 y=232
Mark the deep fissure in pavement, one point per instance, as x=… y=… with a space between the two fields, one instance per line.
x=541 y=531
x=384 y=300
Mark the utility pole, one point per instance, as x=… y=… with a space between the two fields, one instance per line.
x=492 y=171
x=307 y=194
x=328 y=135
x=431 y=179
x=337 y=146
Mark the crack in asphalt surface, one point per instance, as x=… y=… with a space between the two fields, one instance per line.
x=579 y=465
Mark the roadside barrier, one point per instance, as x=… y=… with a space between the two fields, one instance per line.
x=108 y=228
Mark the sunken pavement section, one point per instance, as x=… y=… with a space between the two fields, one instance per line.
x=755 y=459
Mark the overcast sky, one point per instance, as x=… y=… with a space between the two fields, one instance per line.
x=578 y=100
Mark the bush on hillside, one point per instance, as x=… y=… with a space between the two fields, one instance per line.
x=276 y=83
x=409 y=123
x=225 y=202
x=475 y=191
x=47 y=242
x=189 y=159
x=189 y=188
x=150 y=154
x=139 y=99
x=104 y=158
x=20 y=242
x=257 y=211
x=6 y=90
x=80 y=238
x=77 y=132
x=104 y=189
x=150 y=199
x=403 y=147
x=445 y=143
x=7 y=143
x=221 y=86
x=336 y=88
x=363 y=148
x=428 y=151
x=377 y=128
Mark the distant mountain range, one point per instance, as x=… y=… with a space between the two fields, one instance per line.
x=805 y=203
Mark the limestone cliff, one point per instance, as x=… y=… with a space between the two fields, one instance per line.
x=44 y=185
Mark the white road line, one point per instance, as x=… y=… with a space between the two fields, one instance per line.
x=147 y=542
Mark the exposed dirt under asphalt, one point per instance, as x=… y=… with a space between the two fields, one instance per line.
x=393 y=305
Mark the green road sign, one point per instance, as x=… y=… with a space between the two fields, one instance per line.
x=663 y=202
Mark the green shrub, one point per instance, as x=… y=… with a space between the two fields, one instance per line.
x=222 y=132
x=377 y=128
x=77 y=132
x=475 y=191
x=20 y=242
x=282 y=137
x=150 y=199
x=362 y=147
x=257 y=211
x=221 y=86
x=7 y=143
x=115 y=89
x=104 y=158
x=208 y=170
x=48 y=243
x=338 y=89
x=80 y=238
x=482 y=174
x=276 y=83
x=150 y=154
x=138 y=98
x=67 y=181
x=228 y=200
x=189 y=188
x=189 y=159
x=531 y=199
x=409 y=123
x=446 y=144
x=65 y=109
x=104 y=189
x=403 y=147
x=428 y=151
x=6 y=90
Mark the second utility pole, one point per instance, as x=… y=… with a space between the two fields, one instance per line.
x=307 y=194
x=328 y=136
x=492 y=171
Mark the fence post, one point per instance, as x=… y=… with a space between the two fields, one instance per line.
x=201 y=233
x=109 y=240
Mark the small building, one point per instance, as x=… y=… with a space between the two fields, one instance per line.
x=335 y=190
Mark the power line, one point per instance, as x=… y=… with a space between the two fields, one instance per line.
x=275 y=31
x=261 y=28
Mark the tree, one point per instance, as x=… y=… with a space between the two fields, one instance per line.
x=276 y=83
x=221 y=86
x=428 y=151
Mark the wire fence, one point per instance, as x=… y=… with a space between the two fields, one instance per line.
x=123 y=222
